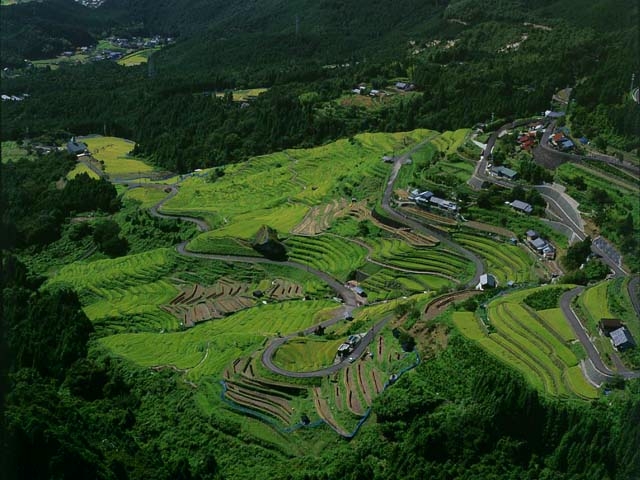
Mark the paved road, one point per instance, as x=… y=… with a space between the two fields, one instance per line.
x=581 y=333
x=419 y=227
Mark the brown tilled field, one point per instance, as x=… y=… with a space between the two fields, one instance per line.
x=364 y=385
x=353 y=399
x=319 y=218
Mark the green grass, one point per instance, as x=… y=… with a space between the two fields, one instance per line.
x=305 y=354
x=244 y=95
x=136 y=58
x=221 y=246
x=468 y=325
x=146 y=196
x=554 y=319
x=577 y=383
x=12 y=152
x=595 y=304
x=81 y=168
x=114 y=152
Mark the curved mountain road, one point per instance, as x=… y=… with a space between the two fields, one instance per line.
x=581 y=333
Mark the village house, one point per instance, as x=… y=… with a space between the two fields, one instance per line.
x=505 y=172
x=487 y=281
x=521 y=206
x=76 y=148
x=608 y=325
x=540 y=245
x=622 y=339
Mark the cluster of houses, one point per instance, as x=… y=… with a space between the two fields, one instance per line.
x=618 y=333
x=362 y=89
x=540 y=245
x=561 y=142
x=428 y=199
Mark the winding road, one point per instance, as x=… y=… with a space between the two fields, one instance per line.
x=581 y=333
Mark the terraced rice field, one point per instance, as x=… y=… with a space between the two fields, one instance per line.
x=229 y=338
x=287 y=184
x=222 y=246
x=147 y=196
x=114 y=152
x=132 y=287
x=388 y=283
x=398 y=254
x=507 y=262
x=595 y=304
x=327 y=253
x=531 y=343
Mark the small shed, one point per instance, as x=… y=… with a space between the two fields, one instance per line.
x=505 y=172
x=487 y=281
x=531 y=234
x=608 y=325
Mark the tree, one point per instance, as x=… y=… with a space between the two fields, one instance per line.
x=106 y=235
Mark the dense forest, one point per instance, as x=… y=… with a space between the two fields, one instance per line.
x=168 y=106
x=72 y=411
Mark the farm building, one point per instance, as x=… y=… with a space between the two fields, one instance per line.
x=608 y=325
x=521 y=206
x=531 y=234
x=344 y=349
x=387 y=159
x=443 y=204
x=505 y=172
x=76 y=148
x=487 y=281
x=360 y=291
x=552 y=114
x=423 y=198
x=538 y=244
x=621 y=339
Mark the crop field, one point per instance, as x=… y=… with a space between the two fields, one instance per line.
x=81 y=168
x=12 y=152
x=327 y=253
x=398 y=254
x=221 y=246
x=305 y=354
x=147 y=196
x=131 y=287
x=228 y=338
x=287 y=184
x=114 y=152
x=505 y=261
x=136 y=58
x=554 y=319
x=595 y=304
x=449 y=141
x=534 y=343
x=387 y=283
x=244 y=95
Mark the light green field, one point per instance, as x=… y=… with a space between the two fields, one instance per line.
x=505 y=261
x=229 y=338
x=534 y=343
x=554 y=318
x=82 y=168
x=286 y=184
x=594 y=303
x=468 y=325
x=449 y=141
x=136 y=58
x=131 y=287
x=305 y=354
x=113 y=151
x=147 y=196
x=12 y=152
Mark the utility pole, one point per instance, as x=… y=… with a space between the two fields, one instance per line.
x=297 y=25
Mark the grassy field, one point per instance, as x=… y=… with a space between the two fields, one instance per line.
x=534 y=343
x=146 y=196
x=136 y=58
x=81 y=168
x=305 y=354
x=114 y=151
x=12 y=152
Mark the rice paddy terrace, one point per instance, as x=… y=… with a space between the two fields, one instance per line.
x=539 y=344
x=208 y=310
